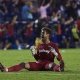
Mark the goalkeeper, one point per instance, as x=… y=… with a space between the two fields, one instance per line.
x=44 y=54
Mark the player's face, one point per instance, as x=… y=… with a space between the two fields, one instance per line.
x=45 y=36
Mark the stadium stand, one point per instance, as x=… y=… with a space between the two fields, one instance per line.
x=22 y=20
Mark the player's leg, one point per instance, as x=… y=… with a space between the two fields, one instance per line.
x=33 y=66
x=57 y=68
x=14 y=68
x=53 y=67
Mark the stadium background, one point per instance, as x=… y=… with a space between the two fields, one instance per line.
x=18 y=28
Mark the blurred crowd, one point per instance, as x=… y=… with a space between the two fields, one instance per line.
x=22 y=20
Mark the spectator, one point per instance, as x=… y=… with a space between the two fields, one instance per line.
x=26 y=12
x=10 y=37
x=58 y=14
x=43 y=9
x=29 y=34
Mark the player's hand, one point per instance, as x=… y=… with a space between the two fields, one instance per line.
x=62 y=65
x=34 y=50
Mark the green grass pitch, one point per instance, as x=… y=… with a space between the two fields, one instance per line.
x=11 y=57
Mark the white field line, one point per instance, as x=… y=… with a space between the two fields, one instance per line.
x=54 y=74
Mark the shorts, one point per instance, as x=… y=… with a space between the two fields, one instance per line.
x=43 y=66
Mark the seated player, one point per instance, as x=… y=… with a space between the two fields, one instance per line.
x=44 y=55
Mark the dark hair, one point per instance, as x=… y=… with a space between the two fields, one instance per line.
x=48 y=30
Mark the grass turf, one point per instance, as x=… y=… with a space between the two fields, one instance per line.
x=11 y=57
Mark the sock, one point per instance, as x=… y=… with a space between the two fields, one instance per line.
x=16 y=68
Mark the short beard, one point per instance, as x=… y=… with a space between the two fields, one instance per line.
x=43 y=40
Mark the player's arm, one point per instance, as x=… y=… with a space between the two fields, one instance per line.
x=58 y=56
x=35 y=52
x=47 y=5
x=35 y=48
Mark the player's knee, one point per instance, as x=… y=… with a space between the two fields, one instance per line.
x=27 y=66
x=48 y=66
x=22 y=64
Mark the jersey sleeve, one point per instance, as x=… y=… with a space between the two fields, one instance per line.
x=56 y=52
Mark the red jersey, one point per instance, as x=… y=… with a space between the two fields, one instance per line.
x=10 y=30
x=47 y=52
x=29 y=31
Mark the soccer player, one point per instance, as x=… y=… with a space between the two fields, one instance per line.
x=44 y=55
